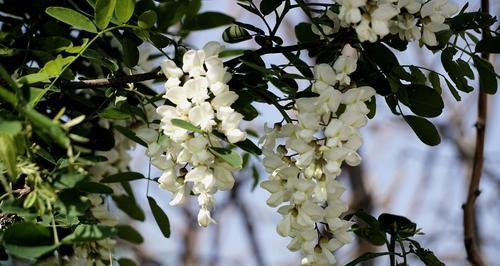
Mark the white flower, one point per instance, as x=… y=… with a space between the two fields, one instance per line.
x=324 y=73
x=365 y=32
x=196 y=89
x=406 y=27
x=204 y=218
x=224 y=180
x=412 y=6
x=202 y=116
x=224 y=99
x=215 y=70
x=380 y=19
x=170 y=69
x=434 y=14
x=193 y=62
x=349 y=10
x=212 y=49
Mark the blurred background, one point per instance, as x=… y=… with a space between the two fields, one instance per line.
x=399 y=175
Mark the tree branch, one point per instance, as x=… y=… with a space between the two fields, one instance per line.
x=470 y=237
x=112 y=82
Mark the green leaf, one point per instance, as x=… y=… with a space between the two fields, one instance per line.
x=122 y=177
x=489 y=44
x=422 y=100
x=130 y=52
x=395 y=224
x=130 y=134
x=28 y=240
x=147 y=19
x=268 y=6
x=54 y=67
x=46 y=126
x=367 y=256
x=27 y=252
x=255 y=177
x=301 y=66
x=370 y=234
x=128 y=233
x=417 y=74
x=453 y=91
x=89 y=233
x=235 y=34
x=104 y=12
x=27 y=234
x=424 y=129
x=207 y=20
x=435 y=82
x=130 y=207
x=126 y=262
x=34 y=78
x=249 y=146
x=100 y=59
x=185 y=125
x=114 y=113
x=93 y=187
x=160 y=217
x=124 y=10
x=71 y=17
x=487 y=76
x=10 y=128
x=304 y=33
x=453 y=69
x=231 y=157
x=465 y=68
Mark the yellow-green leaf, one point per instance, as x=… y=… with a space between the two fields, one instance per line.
x=71 y=17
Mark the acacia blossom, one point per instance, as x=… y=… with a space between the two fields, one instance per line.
x=304 y=158
x=199 y=94
x=372 y=20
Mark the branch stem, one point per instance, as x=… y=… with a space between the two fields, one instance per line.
x=470 y=237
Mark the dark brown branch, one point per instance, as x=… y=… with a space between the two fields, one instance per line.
x=121 y=81
x=361 y=199
x=470 y=237
x=112 y=82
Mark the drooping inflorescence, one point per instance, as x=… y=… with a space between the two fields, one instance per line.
x=198 y=94
x=411 y=20
x=304 y=159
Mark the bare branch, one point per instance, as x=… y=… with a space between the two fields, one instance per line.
x=470 y=237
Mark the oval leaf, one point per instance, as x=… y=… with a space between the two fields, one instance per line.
x=147 y=19
x=129 y=206
x=124 y=10
x=160 y=217
x=424 y=129
x=128 y=233
x=71 y=17
x=122 y=177
x=186 y=125
x=231 y=157
x=104 y=12
x=207 y=20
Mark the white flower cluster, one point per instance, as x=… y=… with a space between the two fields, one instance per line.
x=373 y=19
x=200 y=95
x=304 y=167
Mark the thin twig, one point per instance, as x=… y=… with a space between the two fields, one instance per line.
x=470 y=237
x=112 y=82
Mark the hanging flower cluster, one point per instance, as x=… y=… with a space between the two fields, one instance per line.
x=198 y=94
x=304 y=159
x=373 y=19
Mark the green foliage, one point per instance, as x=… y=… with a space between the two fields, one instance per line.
x=390 y=229
x=160 y=217
x=71 y=17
